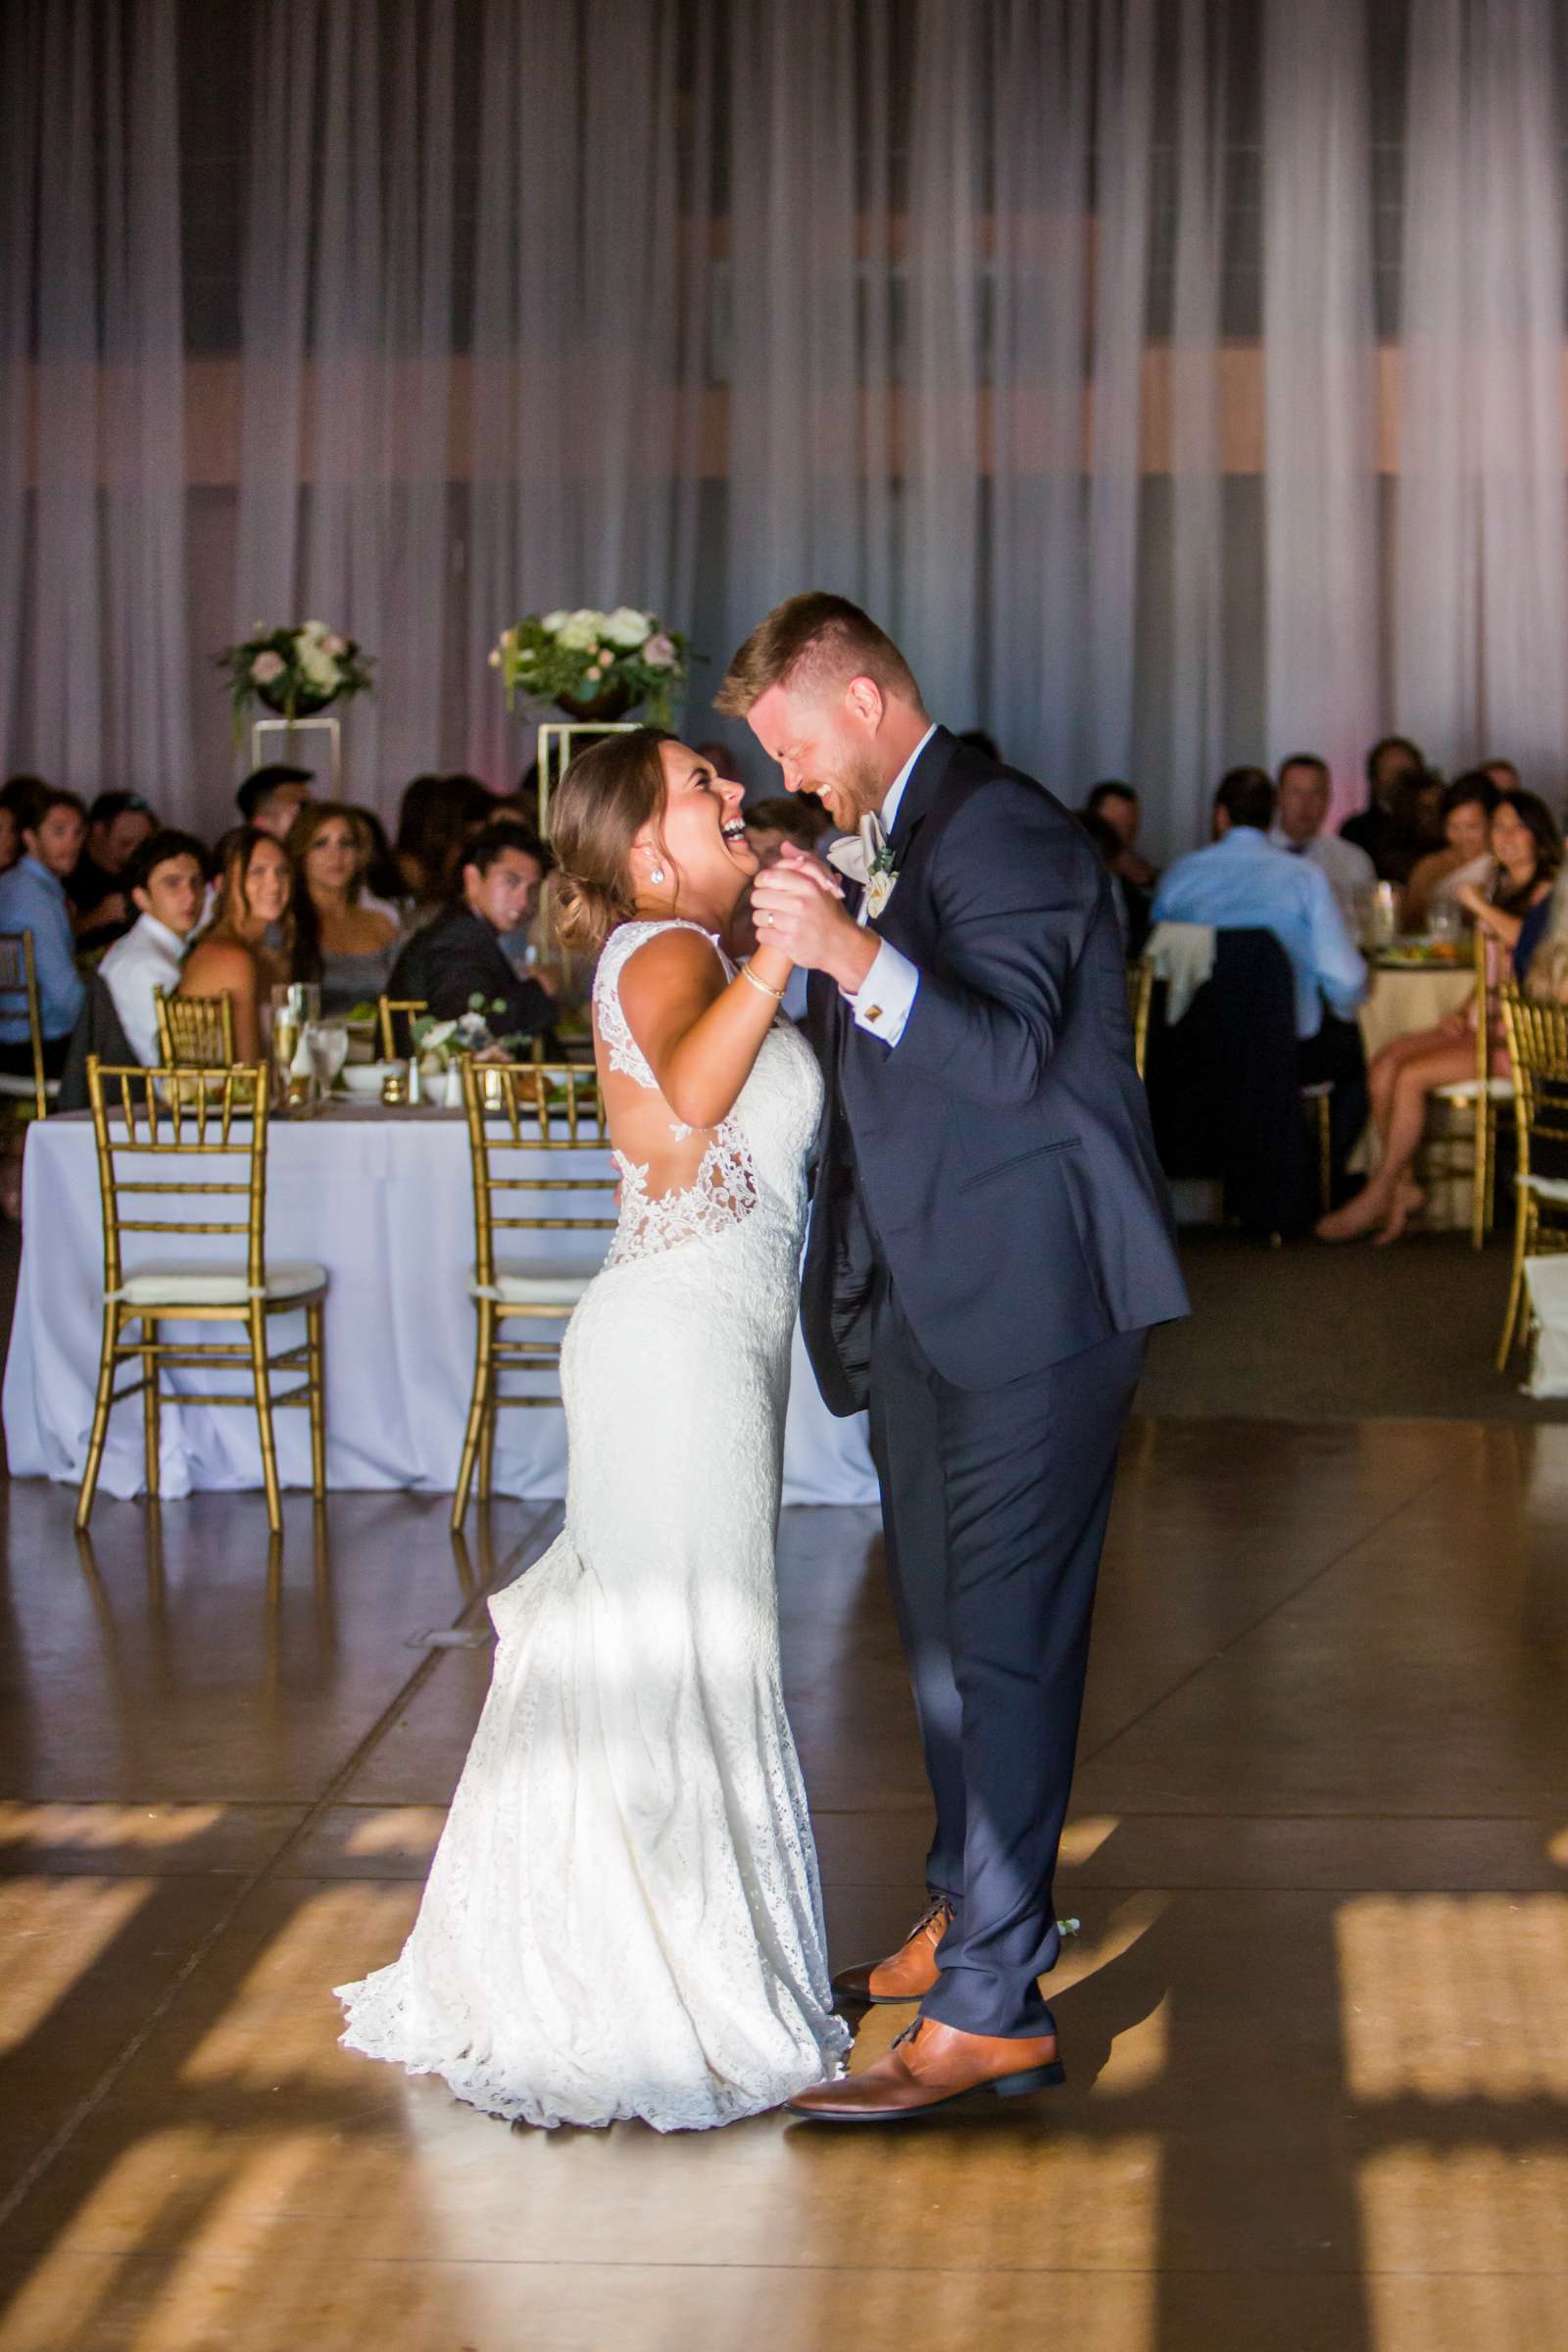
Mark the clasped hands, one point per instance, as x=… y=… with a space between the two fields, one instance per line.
x=798 y=906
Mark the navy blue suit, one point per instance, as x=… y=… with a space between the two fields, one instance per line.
x=991 y=1241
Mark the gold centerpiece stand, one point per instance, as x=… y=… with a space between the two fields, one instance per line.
x=322 y=723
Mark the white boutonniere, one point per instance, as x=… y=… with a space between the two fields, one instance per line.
x=880 y=882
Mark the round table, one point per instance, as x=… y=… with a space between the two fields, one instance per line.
x=1402 y=1000
x=383 y=1199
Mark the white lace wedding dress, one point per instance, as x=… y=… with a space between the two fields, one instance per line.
x=623 y=1916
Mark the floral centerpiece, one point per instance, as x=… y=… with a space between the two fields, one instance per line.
x=595 y=666
x=296 y=669
x=437 y=1044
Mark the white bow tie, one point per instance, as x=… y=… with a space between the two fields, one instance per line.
x=857 y=854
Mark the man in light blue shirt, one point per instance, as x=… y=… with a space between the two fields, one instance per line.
x=32 y=897
x=1241 y=883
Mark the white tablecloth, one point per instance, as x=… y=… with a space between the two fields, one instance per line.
x=384 y=1201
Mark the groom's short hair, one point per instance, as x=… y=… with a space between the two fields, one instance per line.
x=815 y=640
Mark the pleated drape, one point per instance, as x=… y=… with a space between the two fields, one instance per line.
x=1103 y=348
x=94 y=658
x=1481 y=536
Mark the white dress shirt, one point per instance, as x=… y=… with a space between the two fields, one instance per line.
x=149 y=956
x=883 y=1001
x=1351 y=872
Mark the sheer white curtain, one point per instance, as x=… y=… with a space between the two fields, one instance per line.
x=1043 y=105
x=94 y=672
x=584 y=423
x=939 y=615
x=809 y=478
x=1481 y=580
x=1195 y=712
x=346 y=364
x=1319 y=401
x=1047 y=328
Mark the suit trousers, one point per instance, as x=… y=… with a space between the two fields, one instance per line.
x=994 y=1503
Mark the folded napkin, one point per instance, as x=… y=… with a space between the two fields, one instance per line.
x=1182 y=955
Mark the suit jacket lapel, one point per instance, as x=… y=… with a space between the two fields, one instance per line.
x=921 y=791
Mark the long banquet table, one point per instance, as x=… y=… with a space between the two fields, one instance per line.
x=383 y=1199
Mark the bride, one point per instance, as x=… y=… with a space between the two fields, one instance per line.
x=623 y=1916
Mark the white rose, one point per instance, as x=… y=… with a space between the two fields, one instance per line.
x=626 y=627
x=578 y=631
x=319 y=667
x=555 y=621
x=314 y=631
x=266 y=667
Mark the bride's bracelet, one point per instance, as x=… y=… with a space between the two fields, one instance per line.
x=777 y=994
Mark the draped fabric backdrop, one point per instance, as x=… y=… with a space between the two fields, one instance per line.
x=1182 y=380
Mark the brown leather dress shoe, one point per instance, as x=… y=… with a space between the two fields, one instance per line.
x=908 y=1973
x=932 y=2066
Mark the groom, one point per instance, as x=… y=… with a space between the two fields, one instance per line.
x=989 y=1244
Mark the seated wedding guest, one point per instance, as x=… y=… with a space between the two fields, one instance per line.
x=1242 y=882
x=1380 y=829
x=344 y=946
x=1107 y=845
x=118 y=823
x=980 y=741
x=1503 y=774
x=272 y=797
x=382 y=885
x=254 y=898
x=435 y=817
x=1117 y=805
x=458 y=956
x=1527 y=849
x=1301 y=813
x=796 y=816
x=166 y=882
x=32 y=897
x=1544 y=972
x=16 y=797
x=1467 y=806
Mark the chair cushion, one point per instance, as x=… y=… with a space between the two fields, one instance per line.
x=24 y=1088
x=535 y=1282
x=188 y=1285
x=1465 y=1089
x=1549 y=1188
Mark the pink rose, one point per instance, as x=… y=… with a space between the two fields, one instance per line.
x=336 y=645
x=660 y=651
x=266 y=667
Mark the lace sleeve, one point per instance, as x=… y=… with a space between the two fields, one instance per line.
x=625 y=1054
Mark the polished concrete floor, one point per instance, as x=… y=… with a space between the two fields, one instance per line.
x=1316 y=2024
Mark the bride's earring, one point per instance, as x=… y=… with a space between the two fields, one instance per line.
x=656 y=874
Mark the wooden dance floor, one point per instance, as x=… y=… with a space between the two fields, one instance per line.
x=1316 y=2025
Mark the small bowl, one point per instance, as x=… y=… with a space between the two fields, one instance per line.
x=366 y=1079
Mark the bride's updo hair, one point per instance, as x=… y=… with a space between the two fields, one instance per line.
x=607 y=796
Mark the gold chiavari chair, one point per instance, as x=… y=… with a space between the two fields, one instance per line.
x=1538 y=1055
x=1483 y=1097
x=518 y=1112
x=143 y=1122
x=19 y=981
x=1140 y=998
x=390 y=1010
x=195 y=1033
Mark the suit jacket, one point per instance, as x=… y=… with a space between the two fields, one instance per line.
x=998 y=1159
x=458 y=957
